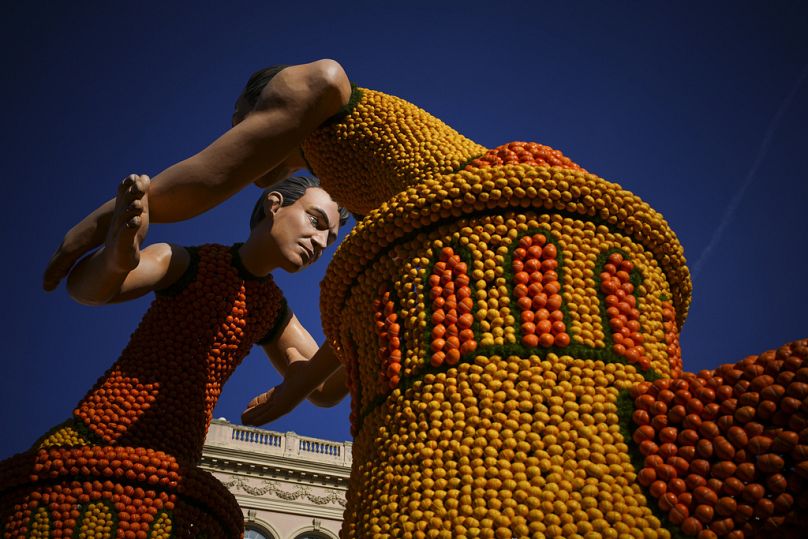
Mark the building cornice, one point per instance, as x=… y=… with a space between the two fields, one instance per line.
x=279 y=472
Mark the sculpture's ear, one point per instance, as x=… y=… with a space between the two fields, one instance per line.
x=273 y=202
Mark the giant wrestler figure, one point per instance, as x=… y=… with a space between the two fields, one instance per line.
x=278 y=108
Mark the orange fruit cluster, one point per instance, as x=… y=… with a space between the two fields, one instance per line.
x=106 y=491
x=487 y=249
x=524 y=153
x=136 y=437
x=449 y=290
x=574 y=194
x=388 y=330
x=538 y=293
x=725 y=452
x=621 y=308
x=146 y=401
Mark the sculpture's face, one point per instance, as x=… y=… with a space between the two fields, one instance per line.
x=296 y=235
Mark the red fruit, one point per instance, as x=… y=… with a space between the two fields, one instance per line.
x=646 y=476
x=726 y=506
x=531 y=340
x=691 y=526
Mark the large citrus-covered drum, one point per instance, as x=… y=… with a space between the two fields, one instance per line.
x=510 y=326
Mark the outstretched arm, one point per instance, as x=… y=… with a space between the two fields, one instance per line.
x=331 y=387
x=120 y=270
x=308 y=371
x=303 y=376
x=294 y=103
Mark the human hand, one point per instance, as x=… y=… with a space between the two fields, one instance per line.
x=78 y=241
x=59 y=264
x=85 y=236
x=259 y=409
x=88 y=234
x=281 y=399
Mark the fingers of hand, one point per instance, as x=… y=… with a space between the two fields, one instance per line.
x=134 y=185
x=133 y=212
x=142 y=184
x=134 y=222
x=260 y=399
x=128 y=182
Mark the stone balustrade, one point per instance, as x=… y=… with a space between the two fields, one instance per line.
x=291 y=445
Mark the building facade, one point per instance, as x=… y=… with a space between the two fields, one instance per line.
x=289 y=486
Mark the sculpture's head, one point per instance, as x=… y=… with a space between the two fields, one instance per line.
x=293 y=223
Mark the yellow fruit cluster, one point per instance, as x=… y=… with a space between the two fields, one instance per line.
x=40 y=525
x=66 y=435
x=674 y=349
x=97 y=522
x=383 y=146
x=411 y=270
x=500 y=447
x=162 y=527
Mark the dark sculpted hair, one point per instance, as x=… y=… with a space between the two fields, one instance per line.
x=291 y=189
x=257 y=81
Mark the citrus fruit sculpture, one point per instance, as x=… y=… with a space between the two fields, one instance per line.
x=125 y=466
x=510 y=327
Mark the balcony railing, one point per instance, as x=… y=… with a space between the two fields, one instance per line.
x=263 y=438
x=225 y=434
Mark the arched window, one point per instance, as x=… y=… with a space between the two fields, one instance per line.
x=310 y=535
x=253 y=532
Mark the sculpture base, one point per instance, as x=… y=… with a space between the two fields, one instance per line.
x=104 y=491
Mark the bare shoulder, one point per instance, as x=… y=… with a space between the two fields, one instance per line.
x=169 y=260
x=161 y=253
x=324 y=78
x=327 y=70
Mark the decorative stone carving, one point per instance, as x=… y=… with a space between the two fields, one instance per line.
x=268 y=487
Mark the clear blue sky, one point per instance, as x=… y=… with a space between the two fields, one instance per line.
x=695 y=106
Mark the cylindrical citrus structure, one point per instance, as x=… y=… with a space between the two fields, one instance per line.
x=493 y=312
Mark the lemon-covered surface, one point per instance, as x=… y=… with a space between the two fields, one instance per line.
x=494 y=313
